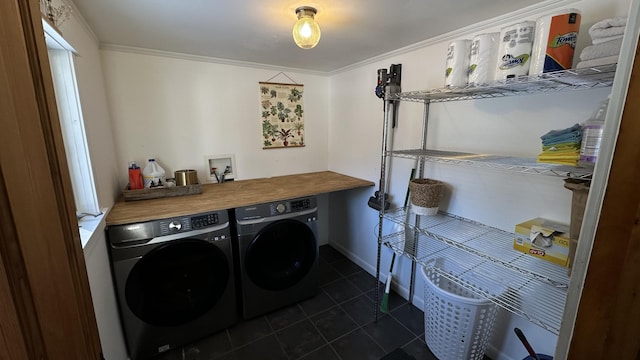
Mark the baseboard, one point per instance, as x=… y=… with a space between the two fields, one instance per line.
x=403 y=291
x=495 y=354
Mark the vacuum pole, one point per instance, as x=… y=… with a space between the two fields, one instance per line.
x=388 y=85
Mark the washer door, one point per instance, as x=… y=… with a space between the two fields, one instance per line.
x=281 y=255
x=176 y=283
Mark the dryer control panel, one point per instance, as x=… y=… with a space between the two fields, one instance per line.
x=267 y=210
x=291 y=206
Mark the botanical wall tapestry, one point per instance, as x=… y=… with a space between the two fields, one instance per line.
x=282 y=115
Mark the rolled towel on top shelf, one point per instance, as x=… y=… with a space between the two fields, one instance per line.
x=608 y=27
x=597 y=62
x=597 y=41
x=605 y=49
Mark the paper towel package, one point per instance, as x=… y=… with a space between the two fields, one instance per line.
x=555 y=41
x=482 y=59
x=514 y=51
x=457 y=63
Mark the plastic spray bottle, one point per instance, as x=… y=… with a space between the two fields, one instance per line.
x=592 y=136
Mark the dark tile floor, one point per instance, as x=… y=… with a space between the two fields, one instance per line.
x=338 y=323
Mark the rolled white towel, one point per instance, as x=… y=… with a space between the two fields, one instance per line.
x=605 y=49
x=597 y=62
x=608 y=27
x=605 y=39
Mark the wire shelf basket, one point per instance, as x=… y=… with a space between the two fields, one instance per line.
x=536 y=289
x=565 y=80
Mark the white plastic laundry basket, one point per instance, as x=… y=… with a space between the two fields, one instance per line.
x=458 y=324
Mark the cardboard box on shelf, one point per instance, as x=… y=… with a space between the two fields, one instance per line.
x=544 y=239
x=580 y=189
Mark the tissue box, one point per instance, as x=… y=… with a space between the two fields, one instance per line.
x=544 y=239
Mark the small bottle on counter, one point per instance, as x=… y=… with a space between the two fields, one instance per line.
x=135 y=177
x=153 y=174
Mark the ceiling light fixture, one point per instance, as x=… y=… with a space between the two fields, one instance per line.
x=306 y=31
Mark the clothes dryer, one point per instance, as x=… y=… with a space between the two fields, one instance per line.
x=174 y=280
x=278 y=254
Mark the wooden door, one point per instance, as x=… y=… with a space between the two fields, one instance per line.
x=608 y=321
x=45 y=304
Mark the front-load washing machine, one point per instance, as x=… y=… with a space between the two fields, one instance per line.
x=174 y=280
x=278 y=254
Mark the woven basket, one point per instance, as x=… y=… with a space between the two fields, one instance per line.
x=426 y=193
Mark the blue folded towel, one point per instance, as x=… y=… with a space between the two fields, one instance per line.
x=575 y=137
x=554 y=133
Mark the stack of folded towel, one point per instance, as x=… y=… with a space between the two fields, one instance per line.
x=561 y=146
x=606 y=37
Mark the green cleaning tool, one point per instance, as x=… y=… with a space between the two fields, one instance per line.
x=384 y=304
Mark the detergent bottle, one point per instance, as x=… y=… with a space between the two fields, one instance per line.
x=153 y=174
x=135 y=177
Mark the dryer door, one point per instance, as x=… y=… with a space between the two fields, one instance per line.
x=177 y=282
x=281 y=254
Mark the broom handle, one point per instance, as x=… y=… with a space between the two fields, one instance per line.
x=406 y=198
x=393 y=258
x=526 y=344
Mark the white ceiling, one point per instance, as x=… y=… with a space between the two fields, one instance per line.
x=259 y=31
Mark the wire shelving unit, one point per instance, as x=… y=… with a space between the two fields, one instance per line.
x=483 y=255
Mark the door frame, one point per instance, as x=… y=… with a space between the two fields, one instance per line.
x=608 y=317
x=47 y=311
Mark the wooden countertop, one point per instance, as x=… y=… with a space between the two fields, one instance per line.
x=233 y=194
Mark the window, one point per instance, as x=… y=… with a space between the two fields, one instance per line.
x=71 y=122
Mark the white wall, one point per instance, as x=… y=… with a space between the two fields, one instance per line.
x=103 y=295
x=180 y=110
x=97 y=123
x=509 y=126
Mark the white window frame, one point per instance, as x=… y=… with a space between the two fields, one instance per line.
x=72 y=122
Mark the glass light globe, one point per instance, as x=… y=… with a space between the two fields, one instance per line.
x=306 y=31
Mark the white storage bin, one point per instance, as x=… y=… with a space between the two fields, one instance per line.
x=458 y=323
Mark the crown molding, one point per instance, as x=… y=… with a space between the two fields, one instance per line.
x=75 y=12
x=182 y=56
x=535 y=10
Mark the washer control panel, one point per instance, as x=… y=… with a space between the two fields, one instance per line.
x=193 y=222
x=135 y=234
x=206 y=220
x=299 y=205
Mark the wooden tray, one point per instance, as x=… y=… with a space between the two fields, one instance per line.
x=145 y=194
